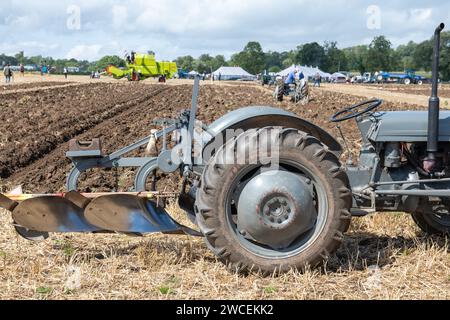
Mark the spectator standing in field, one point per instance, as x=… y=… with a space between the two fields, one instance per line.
x=220 y=76
x=22 y=70
x=44 y=70
x=8 y=73
x=317 y=80
x=65 y=72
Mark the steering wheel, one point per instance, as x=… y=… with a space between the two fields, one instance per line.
x=353 y=113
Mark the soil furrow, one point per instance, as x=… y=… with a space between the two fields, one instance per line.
x=214 y=101
x=39 y=133
x=48 y=173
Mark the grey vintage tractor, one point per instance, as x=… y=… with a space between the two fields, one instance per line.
x=265 y=187
x=297 y=92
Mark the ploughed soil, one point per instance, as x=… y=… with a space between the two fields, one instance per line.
x=36 y=128
x=34 y=124
x=31 y=85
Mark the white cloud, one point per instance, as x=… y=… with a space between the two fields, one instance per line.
x=421 y=15
x=174 y=27
x=119 y=16
x=84 y=52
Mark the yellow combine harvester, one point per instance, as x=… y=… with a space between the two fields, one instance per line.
x=143 y=66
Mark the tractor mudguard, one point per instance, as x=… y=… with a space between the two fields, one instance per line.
x=263 y=116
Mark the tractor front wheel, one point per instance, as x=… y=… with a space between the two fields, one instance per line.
x=270 y=211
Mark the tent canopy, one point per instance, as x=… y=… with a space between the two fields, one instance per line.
x=232 y=73
x=308 y=72
x=338 y=75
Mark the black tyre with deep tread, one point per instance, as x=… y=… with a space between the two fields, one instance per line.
x=430 y=224
x=280 y=92
x=217 y=180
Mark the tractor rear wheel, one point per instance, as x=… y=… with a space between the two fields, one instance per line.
x=433 y=220
x=256 y=216
x=280 y=91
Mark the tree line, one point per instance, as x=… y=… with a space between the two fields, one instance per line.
x=378 y=55
x=59 y=64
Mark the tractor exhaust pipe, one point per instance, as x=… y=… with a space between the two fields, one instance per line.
x=433 y=105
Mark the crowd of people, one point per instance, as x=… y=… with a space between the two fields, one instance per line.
x=95 y=74
x=297 y=75
x=44 y=70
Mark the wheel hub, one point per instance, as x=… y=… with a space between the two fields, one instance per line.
x=275 y=208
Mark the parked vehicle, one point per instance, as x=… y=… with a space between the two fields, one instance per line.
x=268 y=79
x=369 y=78
x=407 y=78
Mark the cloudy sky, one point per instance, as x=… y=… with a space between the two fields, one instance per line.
x=89 y=29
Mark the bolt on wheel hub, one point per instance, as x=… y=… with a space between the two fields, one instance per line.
x=275 y=208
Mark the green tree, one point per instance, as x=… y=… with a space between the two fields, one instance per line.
x=404 y=56
x=334 y=59
x=274 y=69
x=204 y=64
x=380 y=54
x=35 y=60
x=422 y=56
x=185 y=62
x=310 y=54
x=108 y=60
x=252 y=58
x=357 y=58
x=4 y=59
x=218 y=61
x=445 y=56
x=287 y=62
x=20 y=57
x=273 y=59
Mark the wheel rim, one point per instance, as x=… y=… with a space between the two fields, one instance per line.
x=302 y=241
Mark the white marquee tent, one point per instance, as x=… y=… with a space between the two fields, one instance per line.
x=232 y=73
x=309 y=72
x=338 y=77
